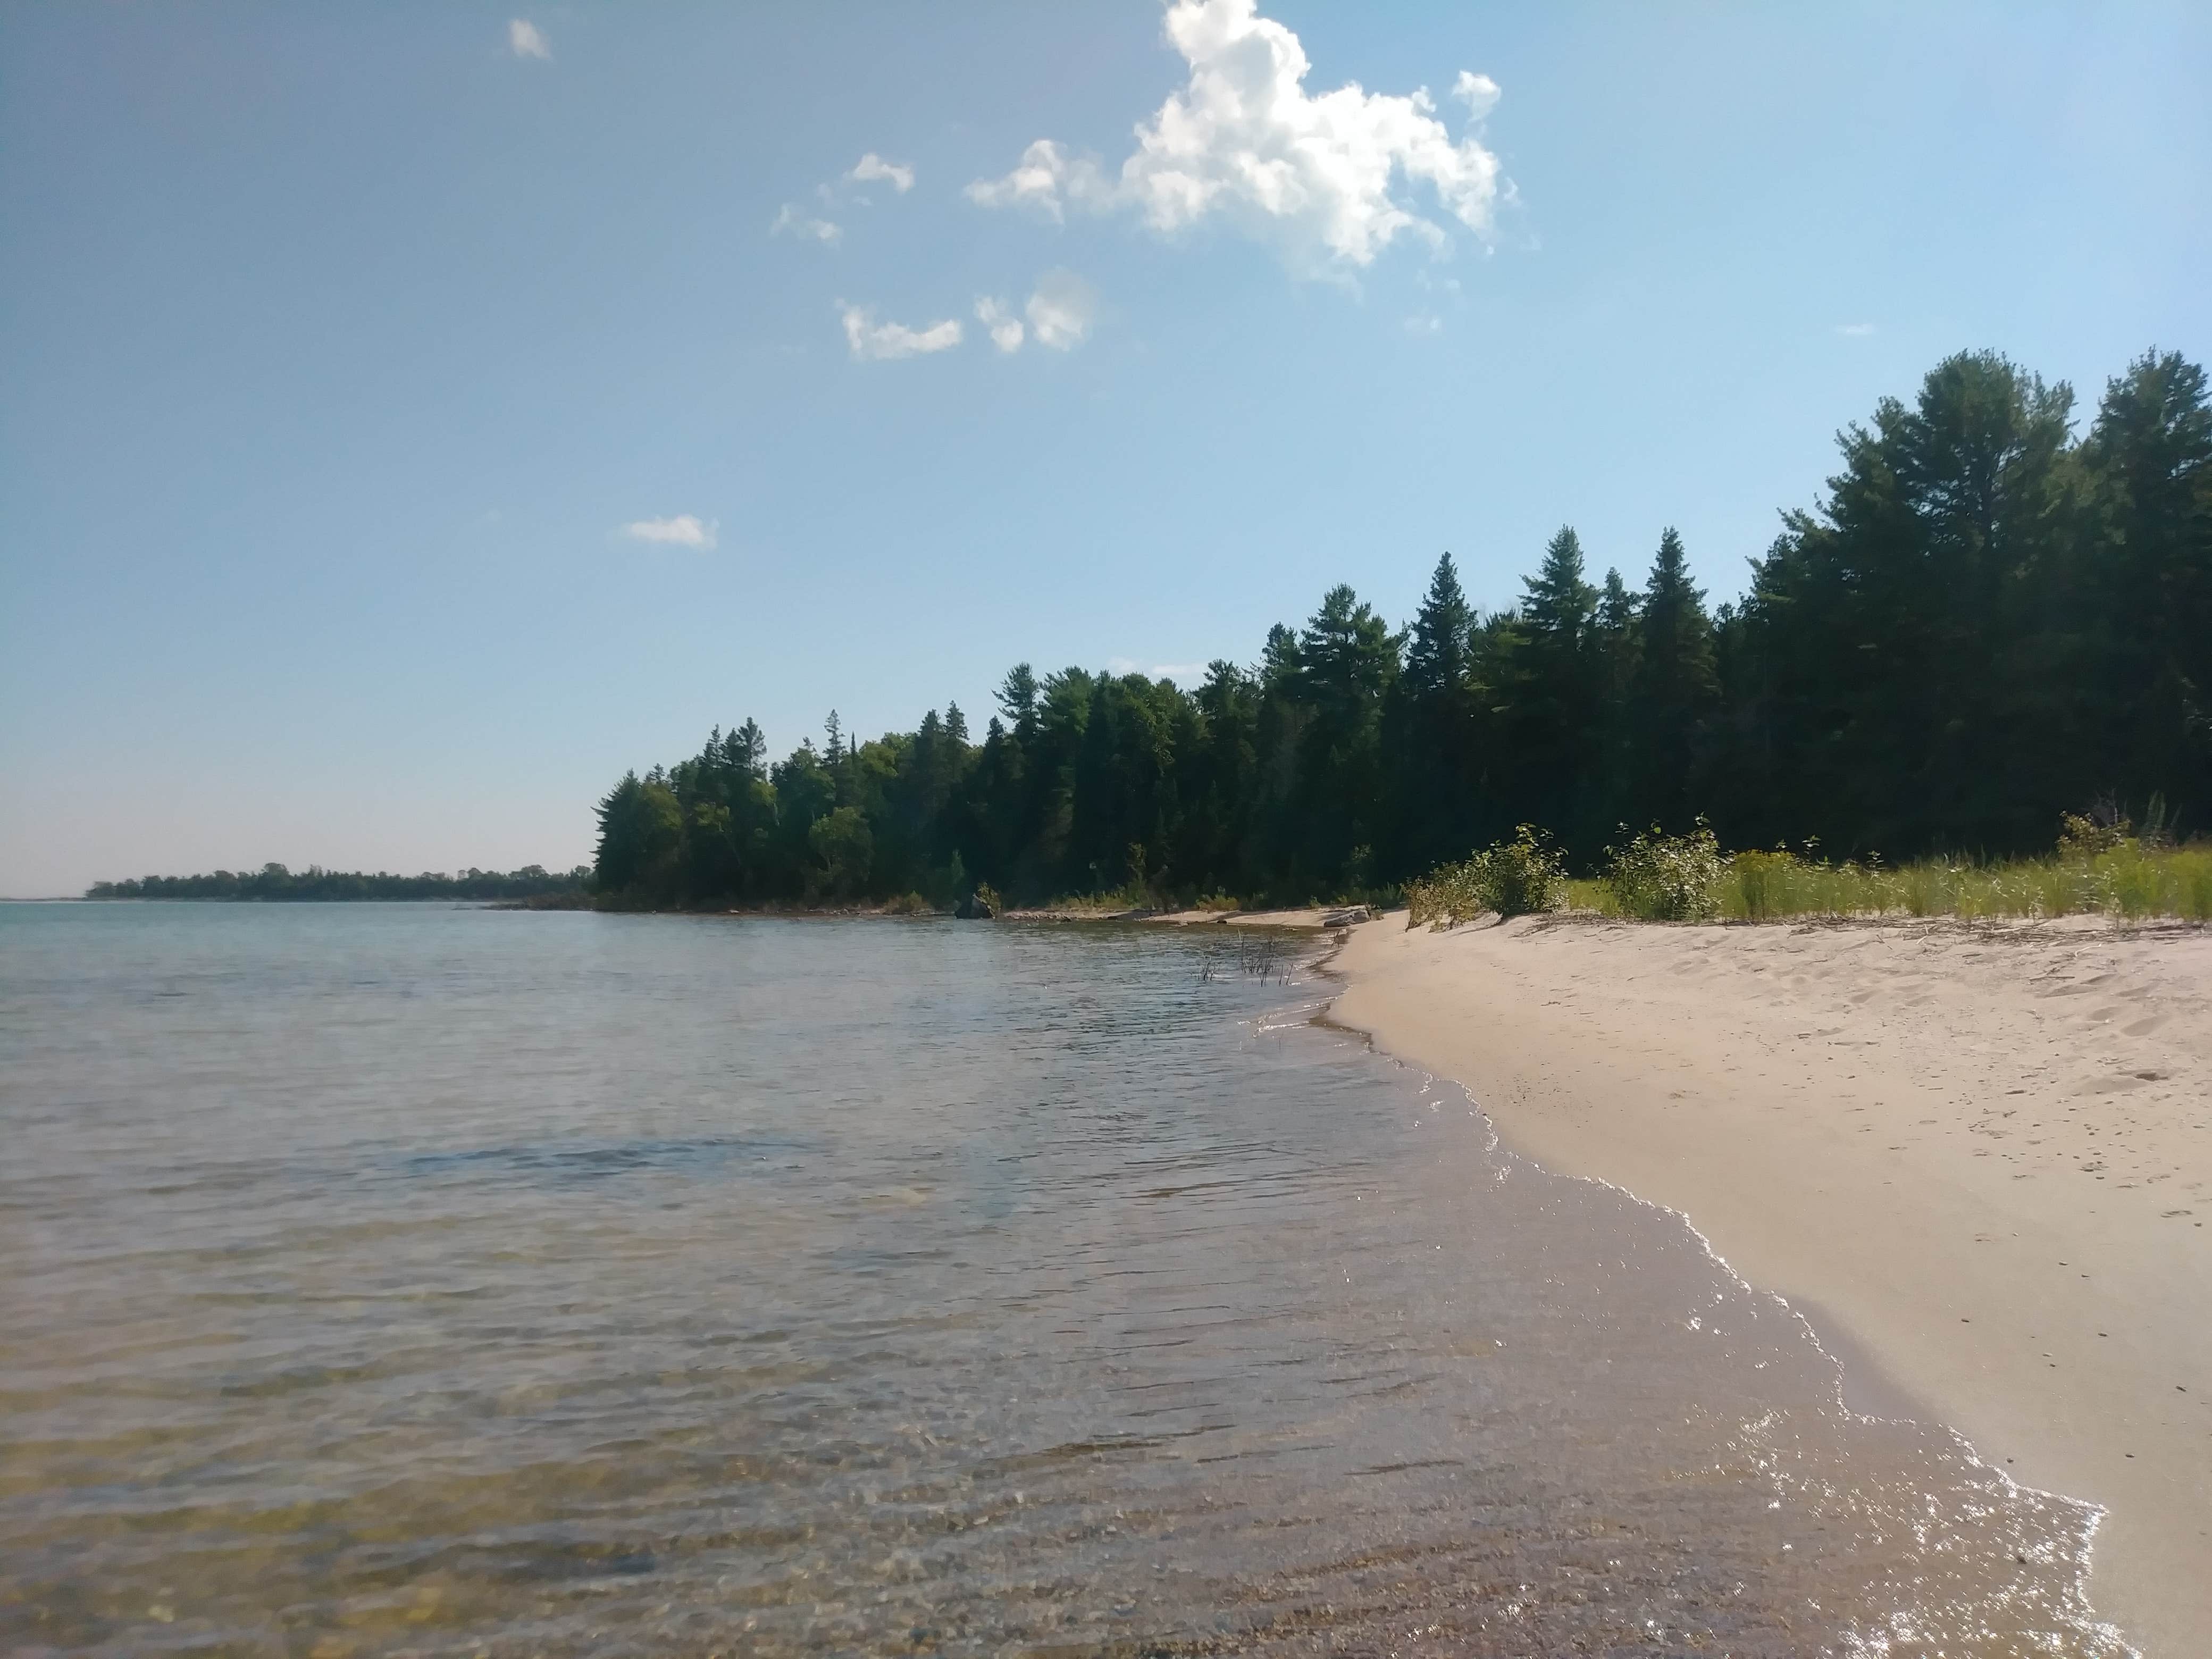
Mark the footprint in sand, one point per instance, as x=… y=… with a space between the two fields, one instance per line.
x=2108 y=1085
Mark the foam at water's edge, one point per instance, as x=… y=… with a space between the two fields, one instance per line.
x=2091 y=1515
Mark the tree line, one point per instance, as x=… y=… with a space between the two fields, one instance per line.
x=1988 y=620
x=315 y=883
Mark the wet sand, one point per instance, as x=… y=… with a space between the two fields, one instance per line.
x=1979 y=1158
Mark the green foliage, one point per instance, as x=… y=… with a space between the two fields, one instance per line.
x=843 y=848
x=314 y=884
x=1983 y=622
x=1523 y=877
x=1661 y=877
x=2085 y=835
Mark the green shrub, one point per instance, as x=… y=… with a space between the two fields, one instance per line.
x=2081 y=835
x=1523 y=877
x=1658 y=877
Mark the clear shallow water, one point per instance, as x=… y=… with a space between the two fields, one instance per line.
x=389 y=1280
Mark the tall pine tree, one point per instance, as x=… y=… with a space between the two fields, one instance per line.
x=1673 y=690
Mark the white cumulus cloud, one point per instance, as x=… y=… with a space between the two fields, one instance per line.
x=874 y=341
x=1313 y=174
x=871 y=168
x=792 y=221
x=1855 y=330
x=524 y=40
x=1005 y=328
x=681 y=531
x=1061 y=310
x=1478 y=92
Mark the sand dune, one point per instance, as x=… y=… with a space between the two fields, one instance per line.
x=1980 y=1158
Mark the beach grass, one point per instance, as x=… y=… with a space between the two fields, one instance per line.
x=1686 y=878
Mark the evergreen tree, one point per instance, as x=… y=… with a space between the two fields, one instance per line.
x=1672 y=691
x=1982 y=623
x=1347 y=663
x=1615 y=647
x=1553 y=696
x=2142 y=597
x=1431 y=731
x=1017 y=700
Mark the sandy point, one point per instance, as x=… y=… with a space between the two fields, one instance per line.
x=1980 y=1156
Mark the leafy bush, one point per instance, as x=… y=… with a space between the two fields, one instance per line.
x=1659 y=877
x=2085 y=835
x=1523 y=877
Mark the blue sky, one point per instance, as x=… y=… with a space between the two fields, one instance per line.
x=411 y=415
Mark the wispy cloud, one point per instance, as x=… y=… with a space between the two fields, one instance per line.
x=874 y=341
x=1425 y=322
x=1855 y=330
x=1005 y=328
x=1061 y=310
x=871 y=168
x=791 y=222
x=525 y=39
x=1059 y=313
x=1181 y=672
x=1243 y=139
x=681 y=531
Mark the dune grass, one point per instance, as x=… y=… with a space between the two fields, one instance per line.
x=2131 y=882
x=1687 y=879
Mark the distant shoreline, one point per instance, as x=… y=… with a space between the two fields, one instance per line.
x=278 y=884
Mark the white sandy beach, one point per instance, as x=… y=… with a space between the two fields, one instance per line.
x=1979 y=1159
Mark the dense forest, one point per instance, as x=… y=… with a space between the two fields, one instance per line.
x=1989 y=620
x=274 y=881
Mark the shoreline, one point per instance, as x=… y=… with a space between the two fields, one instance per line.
x=1977 y=1160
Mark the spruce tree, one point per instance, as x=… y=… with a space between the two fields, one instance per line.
x=1674 y=689
x=1437 y=644
x=1018 y=698
x=1429 y=732
x=1554 y=698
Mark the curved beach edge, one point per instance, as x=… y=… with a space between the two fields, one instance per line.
x=1892 y=1128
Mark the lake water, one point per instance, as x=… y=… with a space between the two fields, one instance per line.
x=396 y=1279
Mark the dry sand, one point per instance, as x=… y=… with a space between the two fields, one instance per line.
x=1978 y=1159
